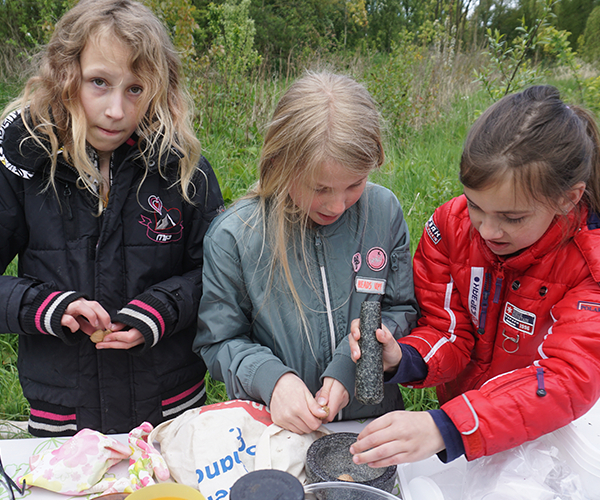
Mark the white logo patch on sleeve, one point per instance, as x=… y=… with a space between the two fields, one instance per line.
x=432 y=231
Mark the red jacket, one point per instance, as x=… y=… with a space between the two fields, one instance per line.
x=490 y=324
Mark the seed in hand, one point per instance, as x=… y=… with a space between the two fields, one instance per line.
x=98 y=335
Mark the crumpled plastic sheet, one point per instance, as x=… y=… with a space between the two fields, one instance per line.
x=532 y=471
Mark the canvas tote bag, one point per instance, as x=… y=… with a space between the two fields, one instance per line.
x=210 y=447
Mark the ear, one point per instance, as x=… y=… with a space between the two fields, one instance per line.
x=572 y=197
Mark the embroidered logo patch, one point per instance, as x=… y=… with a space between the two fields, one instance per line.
x=165 y=225
x=475 y=293
x=432 y=231
x=356 y=261
x=583 y=305
x=518 y=319
x=370 y=285
x=376 y=259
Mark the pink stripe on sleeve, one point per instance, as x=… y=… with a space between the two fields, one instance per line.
x=174 y=399
x=152 y=311
x=52 y=416
x=40 y=311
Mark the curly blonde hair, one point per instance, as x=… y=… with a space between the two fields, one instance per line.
x=52 y=110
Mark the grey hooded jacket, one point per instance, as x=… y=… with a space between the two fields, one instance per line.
x=249 y=329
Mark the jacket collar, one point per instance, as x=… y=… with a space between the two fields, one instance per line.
x=26 y=157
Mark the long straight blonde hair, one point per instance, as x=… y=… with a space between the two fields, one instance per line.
x=53 y=112
x=323 y=117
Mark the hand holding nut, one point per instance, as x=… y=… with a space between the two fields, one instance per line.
x=98 y=335
x=326 y=410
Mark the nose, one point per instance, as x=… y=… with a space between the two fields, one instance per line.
x=114 y=107
x=489 y=229
x=336 y=204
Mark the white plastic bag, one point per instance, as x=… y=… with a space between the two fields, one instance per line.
x=532 y=471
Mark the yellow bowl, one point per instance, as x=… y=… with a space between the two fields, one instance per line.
x=167 y=491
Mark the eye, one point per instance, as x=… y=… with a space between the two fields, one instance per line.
x=516 y=220
x=471 y=205
x=136 y=90
x=98 y=82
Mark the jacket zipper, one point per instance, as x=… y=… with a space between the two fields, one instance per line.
x=487 y=288
x=487 y=285
x=321 y=261
x=67 y=195
x=502 y=385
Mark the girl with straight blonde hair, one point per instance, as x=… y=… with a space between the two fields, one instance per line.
x=105 y=199
x=288 y=266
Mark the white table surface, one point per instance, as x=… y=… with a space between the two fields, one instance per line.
x=15 y=455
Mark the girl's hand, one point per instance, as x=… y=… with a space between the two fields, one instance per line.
x=293 y=406
x=392 y=354
x=398 y=437
x=85 y=315
x=334 y=395
x=121 y=339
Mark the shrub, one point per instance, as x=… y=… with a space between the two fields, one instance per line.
x=590 y=48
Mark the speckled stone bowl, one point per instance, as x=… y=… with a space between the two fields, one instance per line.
x=329 y=457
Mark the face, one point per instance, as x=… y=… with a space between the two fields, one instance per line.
x=507 y=221
x=110 y=94
x=326 y=197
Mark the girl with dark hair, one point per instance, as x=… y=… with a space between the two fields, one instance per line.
x=506 y=276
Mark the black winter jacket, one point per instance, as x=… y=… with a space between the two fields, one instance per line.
x=141 y=260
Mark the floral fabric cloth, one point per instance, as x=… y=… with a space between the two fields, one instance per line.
x=78 y=467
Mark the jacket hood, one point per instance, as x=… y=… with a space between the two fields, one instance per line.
x=588 y=241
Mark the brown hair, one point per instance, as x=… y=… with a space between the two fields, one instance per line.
x=50 y=101
x=547 y=146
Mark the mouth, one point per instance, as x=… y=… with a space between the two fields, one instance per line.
x=328 y=218
x=496 y=246
x=108 y=131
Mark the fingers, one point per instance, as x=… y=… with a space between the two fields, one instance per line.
x=397 y=437
x=70 y=322
x=334 y=395
x=121 y=339
x=87 y=315
x=292 y=405
x=392 y=354
x=322 y=407
x=353 y=339
x=391 y=350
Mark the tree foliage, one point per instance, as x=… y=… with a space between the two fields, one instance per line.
x=591 y=37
